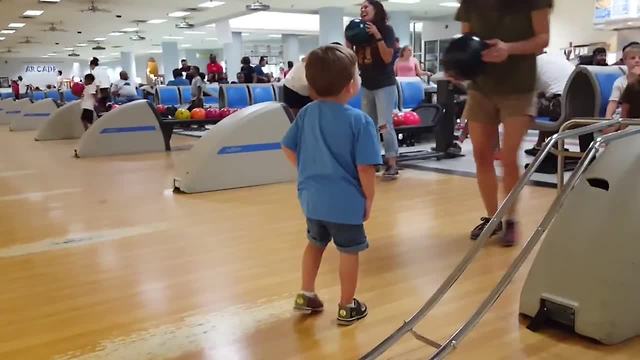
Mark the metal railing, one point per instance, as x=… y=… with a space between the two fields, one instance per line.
x=562 y=154
x=454 y=340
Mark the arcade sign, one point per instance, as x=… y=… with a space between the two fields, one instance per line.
x=41 y=69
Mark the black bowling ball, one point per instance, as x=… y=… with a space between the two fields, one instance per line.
x=356 y=32
x=171 y=111
x=462 y=59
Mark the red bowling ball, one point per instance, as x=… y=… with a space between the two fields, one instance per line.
x=161 y=109
x=410 y=118
x=398 y=119
x=212 y=114
x=77 y=89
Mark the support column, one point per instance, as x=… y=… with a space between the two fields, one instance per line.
x=233 y=55
x=331 y=25
x=401 y=23
x=170 y=58
x=290 y=48
x=128 y=63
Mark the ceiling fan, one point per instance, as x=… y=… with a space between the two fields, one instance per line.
x=136 y=36
x=54 y=28
x=27 y=40
x=9 y=51
x=93 y=8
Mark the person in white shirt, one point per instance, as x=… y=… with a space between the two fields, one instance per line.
x=553 y=72
x=124 y=89
x=102 y=82
x=89 y=97
x=60 y=82
x=197 y=88
x=296 y=88
x=22 y=88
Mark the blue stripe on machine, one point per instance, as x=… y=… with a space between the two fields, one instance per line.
x=128 y=129
x=14 y=112
x=238 y=149
x=37 y=114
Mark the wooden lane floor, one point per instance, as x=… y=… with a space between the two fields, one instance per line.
x=99 y=259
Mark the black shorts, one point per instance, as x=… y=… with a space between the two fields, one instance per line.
x=87 y=116
x=294 y=100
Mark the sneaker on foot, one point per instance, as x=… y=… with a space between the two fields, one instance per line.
x=347 y=315
x=308 y=304
x=390 y=173
x=475 y=233
x=510 y=236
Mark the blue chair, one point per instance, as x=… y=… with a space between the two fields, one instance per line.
x=7 y=95
x=234 y=96
x=214 y=99
x=411 y=93
x=261 y=93
x=37 y=95
x=356 y=101
x=68 y=96
x=185 y=95
x=53 y=94
x=168 y=95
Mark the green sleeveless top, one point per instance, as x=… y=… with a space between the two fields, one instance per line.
x=516 y=75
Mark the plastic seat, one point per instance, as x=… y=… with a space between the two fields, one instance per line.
x=168 y=95
x=261 y=93
x=234 y=96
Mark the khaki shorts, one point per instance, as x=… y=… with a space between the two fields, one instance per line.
x=498 y=108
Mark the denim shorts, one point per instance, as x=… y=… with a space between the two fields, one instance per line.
x=347 y=238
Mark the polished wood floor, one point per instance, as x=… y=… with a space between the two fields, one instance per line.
x=99 y=259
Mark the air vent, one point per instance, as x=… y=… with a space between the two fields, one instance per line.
x=258 y=6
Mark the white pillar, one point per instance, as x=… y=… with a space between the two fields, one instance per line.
x=290 y=48
x=128 y=63
x=170 y=58
x=401 y=23
x=233 y=55
x=331 y=25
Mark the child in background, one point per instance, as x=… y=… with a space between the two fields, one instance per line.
x=89 y=98
x=335 y=149
x=631 y=57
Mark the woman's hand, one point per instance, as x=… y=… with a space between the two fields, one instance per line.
x=497 y=52
x=373 y=30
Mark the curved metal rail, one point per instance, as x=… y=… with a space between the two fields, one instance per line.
x=437 y=296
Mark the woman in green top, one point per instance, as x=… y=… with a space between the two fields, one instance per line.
x=516 y=30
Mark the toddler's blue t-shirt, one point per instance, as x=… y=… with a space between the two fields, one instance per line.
x=331 y=140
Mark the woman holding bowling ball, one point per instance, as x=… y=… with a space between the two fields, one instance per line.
x=375 y=61
x=504 y=93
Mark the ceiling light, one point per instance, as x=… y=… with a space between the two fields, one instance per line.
x=156 y=21
x=49 y=1
x=211 y=38
x=179 y=13
x=210 y=4
x=116 y=33
x=81 y=45
x=154 y=51
x=45 y=56
x=186 y=45
x=2 y=38
x=32 y=13
x=100 y=39
x=115 y=54
x=7 y=31
x=129 y=29
x=245 y=34
x=173 y=37
x=211 y=25
x=16 y=25
x=52 y=54
x=68 y=49
x=450 y=4
x=275 y=36
x=194 y=32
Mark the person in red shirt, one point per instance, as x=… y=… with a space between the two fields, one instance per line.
x=214 y=70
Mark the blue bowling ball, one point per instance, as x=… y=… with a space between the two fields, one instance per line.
x=356 y=32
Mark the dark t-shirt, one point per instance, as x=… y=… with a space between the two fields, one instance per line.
x=247 y=71
x=375 y=73
x=518 y=73
x=631 y=96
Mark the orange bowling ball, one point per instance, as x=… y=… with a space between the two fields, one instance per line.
x=198 y=114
